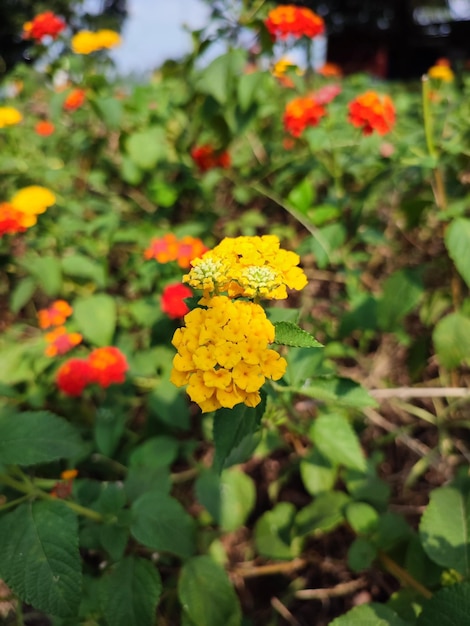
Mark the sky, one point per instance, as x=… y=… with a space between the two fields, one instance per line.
x=154 y=32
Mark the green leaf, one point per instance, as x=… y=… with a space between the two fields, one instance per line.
x=361 y=554
x=457 y=239
x=229 y=498
x=324 y=514
x=218 y=78
x=448 y=607
x=362 y=517
x=233 y=428
x=155 y=452
x=147 y=147
x=445 y=529
x=47 y=272
x=206 y=594
x=302 y=196
x=273 y=532
x=451 y=338
x=303 y=363
x=370 y=615
x=289 y=334
x=129 y=593
x=36 y=437
x=108 y=429
x=96 y=318
x=337 y=441
x=402 y=292
x=110 y=110
x=249 y=85
x=161 y=523
x=341 y=391
x=40 y=559
x=81 y=266
x=22 y=293
x=318 y=473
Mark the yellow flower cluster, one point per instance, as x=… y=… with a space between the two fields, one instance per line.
x=33 y=200
x=9 y=116
x=86 y=41
x=252 y=267
x=441 y=72
x=223 y=354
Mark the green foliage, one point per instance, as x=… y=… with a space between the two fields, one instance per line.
x=322 y=479
x=205 y=592
x=36 y=437
x=445 y=527
x=40 y=559
x=129 y=593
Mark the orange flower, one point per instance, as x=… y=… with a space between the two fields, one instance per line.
x=207 y=158
x=168 y=248
x=12 y=220
x=60 y=341
x=73 y=376
x=74 y=100
x=108 y=366
x=370 y=111
x=44 y=24
x=300 y=113
x=55 y=315
x=289 y=20
x=44 y=128
x=63 y=489
x=330 y=70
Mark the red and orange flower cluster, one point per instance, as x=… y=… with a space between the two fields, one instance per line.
x=372 y=112
x=45 y=24
x=169 y=248
x=74 y=99
x=104 y=367
x=21 y=212
x=302 y=112
x=59 y=340
x=206 y=157
x=289 y=20
x=44 y=128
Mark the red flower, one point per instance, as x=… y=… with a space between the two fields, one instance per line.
x=44 y=128
x=108 y=366
x=173 y=303
x=60 y=341
x=169 y=248
x=44 y=24
x=74 y=100
x=370 y=111
x=207 y=158
x=302 y=112
x=13 y=220
x=289 y=20
x=55 y=315
x=73 y=376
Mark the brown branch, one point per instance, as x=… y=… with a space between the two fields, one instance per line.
x=420 y=392
x=341 y=589
x=285 y=567
x=284 y=612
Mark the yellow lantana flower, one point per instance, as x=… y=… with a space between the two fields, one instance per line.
x=253 y=267
x=227 y=367
x=441 y=72
x=86 y=41
x=33 y=199
x=9 y=116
